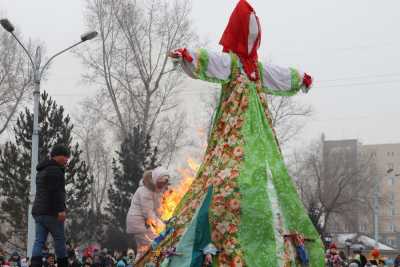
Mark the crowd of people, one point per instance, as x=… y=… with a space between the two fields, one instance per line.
x=89 y=257
x=337 y=258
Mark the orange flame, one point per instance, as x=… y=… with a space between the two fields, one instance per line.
x=173 y=196
x=155 y=227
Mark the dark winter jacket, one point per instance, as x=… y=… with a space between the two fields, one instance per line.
x=15 y=260
x=50 y=189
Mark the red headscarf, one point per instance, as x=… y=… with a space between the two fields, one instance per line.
x=236 y=36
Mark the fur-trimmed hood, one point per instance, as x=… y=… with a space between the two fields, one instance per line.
x=150 y=177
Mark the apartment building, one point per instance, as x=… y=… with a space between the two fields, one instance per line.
x=386 y=160
x=384 y=163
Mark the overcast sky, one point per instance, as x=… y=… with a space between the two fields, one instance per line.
x=350 y=47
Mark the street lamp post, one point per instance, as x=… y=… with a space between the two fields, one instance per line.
x=376 y=210
x=37 y=76
x=348 y=243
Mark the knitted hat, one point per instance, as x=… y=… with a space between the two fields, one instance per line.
x=333 y=246
x=121 y=263
x=375 y=253
x=130 y=252
x=60 y=150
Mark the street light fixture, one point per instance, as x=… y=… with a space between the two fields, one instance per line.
x=88 y=36
x=7 y=25
x=38 y=71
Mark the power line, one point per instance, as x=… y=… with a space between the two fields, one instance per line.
x=318 y=83
x=358 y=84
x=362 y=77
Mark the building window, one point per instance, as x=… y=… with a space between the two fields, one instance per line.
x=392 y=211
x=392 y=197
x=363 y=228
x=392 y=228
x=390 y=166
x=390 y=242
x=391 y=180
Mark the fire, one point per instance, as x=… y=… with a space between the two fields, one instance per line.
x=155 y=227
x=194 y=166
x=173 y=196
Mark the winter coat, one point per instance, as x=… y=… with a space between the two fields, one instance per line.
x=50 y=189
x=397 y=262
x=145 y=205
x=15 y=260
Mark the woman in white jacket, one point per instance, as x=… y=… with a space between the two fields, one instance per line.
x=144 y=209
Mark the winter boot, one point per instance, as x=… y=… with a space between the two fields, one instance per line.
x=37 y=261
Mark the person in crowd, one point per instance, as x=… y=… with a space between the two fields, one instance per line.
x=88 y=259
x=375 y=258
x=2 y=261
x=121 y=261
x=397 y=261
x=49 y=209
x=359 y=256
x=45 y=252
x=143 y=214
x=72 y=259
x=15 y=260
x=130 y=258
x=342 y=255
x=108 y=260
x=50 y=260
x=332 y=257
x=116 y=255
x=25 y=262
x=96 y=260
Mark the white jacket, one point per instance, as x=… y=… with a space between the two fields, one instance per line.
x=145 y=205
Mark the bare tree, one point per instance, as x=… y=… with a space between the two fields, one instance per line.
x=15 y=78
x=130 y=62
x=97 y=150
x=332 y=186
x=288 y=117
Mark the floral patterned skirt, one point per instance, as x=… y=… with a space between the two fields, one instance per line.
x=254 y=201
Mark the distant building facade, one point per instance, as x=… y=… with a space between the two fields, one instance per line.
x=386 y=158
x=384 y=162
x=344 y=154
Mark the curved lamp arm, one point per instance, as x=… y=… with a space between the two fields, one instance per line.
x=84 y=37
x=59 y=53
x=26 y=50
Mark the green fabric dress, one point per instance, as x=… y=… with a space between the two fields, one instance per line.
x=242 y=187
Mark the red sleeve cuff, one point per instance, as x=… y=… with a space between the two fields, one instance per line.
x=307 y=80
x=183 y=53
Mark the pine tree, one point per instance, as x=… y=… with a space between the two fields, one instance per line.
x=136 y=155
x=15 y=167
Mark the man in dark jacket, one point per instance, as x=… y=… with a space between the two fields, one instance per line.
x=49 y=206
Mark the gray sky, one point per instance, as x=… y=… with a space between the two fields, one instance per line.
x=350 y=47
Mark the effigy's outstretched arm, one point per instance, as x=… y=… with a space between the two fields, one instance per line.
x=283 y=81
x=204 y=65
